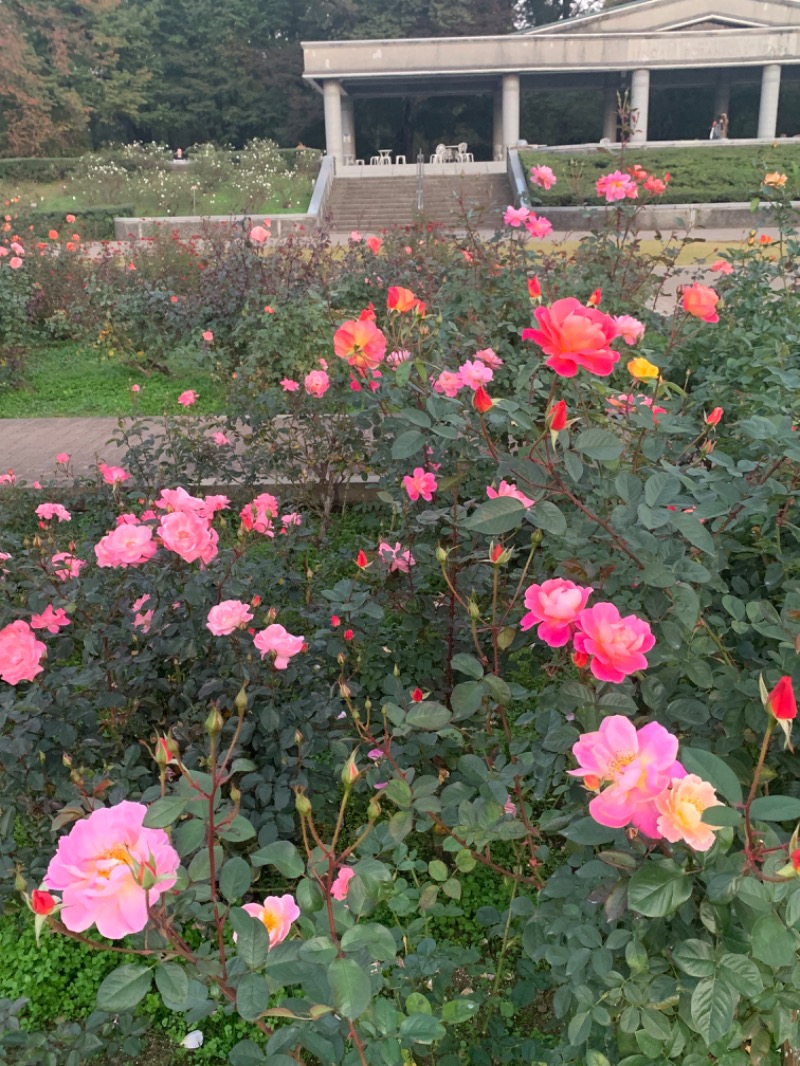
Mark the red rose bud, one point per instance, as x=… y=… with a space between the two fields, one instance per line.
x=715 y=417
x=482 y=401
x=558 y=417
x=595 y=298
x=534 y=288
x=794 y=858
x=417 y=696
x=348 y=634
x=362 y=562
x=781 y=701
x=368 y=314
x=581 y=659
x=335 y=620
x=495 y=553
x=42 y=902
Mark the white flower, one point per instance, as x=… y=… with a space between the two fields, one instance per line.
x=193 y=1040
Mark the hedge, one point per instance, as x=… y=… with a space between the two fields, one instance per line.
x=93 y=223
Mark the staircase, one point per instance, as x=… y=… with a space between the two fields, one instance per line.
x=371 y=201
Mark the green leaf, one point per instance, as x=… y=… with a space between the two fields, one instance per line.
x=545 y=515
x=429 y=716
x=695 y=957
x=776 y=808
x=246 y=1053
x=588 y=831
x=711 y=768
x=375 y=938
x=742 y=973
x=165 y=811
x=422 y=1029
x=235 y=878
x=459 y=1010
x=467 y=664
x=695 y=533
x=659 y=889
x=599 y=444
x=772 y=943
x=721 y=816
x=350 y=986
x=172 y=982
x=661 y=489
x=713 y=1004
x=252 y=938
x=283 y=855
x=407 y=444
x=252 y=996
x=398 y=792
x=496 y=516
x=124 y=988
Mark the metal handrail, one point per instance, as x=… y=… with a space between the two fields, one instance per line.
x=420 y=182
x=516 y=177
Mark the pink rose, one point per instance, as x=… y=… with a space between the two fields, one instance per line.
x=258 y=234
x=616 y=645
x=515 y=216
x=66 y=565
x=20 y=653
x=220 y=439
x=316 y=383
x=277 y=914
x=187 y=398
x=208 y=336
x=490 y=357
x=259 y=514
x=275 y=639
x=228 y=616
x=449 y=383
x=508 y=488
x=475 y=374
x=537 y=226
x=420 y=483
x=342 y=883
x=543 y=177
x=127 y=545
x=113 y=475
x=395 y=558
x=574 y=336
x=680 y=810
x=108 y=868
x=15 y=262
x=51 y=619
x=46 y=511
x=629 y=328
x=62 y=458
x=616 y=186
x=289 y=385
x=189 y=536
x=555 y=606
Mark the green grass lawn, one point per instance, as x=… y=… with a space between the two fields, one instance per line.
x=66 y=379
x=706 y=174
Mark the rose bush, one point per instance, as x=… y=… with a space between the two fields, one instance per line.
x=334 y=723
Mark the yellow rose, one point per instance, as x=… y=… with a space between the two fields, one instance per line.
x=775 y=180
x=642 y=369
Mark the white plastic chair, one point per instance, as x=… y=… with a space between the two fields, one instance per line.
x=440 y=155
x=463 y=155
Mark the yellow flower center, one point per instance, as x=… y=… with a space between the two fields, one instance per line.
x=270 y=920
x=118 y=854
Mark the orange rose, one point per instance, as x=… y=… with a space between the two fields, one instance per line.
x=700 y=301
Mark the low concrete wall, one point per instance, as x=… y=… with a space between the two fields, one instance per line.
x=186 y=226
x=664 y=217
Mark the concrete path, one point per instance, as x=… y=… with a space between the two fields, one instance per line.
x=29 y=446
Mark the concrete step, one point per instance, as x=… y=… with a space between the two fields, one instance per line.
x=374 y=203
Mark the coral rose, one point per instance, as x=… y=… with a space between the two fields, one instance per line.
x=277 y=914
x=20 y=653
x=616 y=645
x=108 y=868
x=420 y=483
x=700 y=301
x=316 y=383
x=680 y=808
x=399 y=299
x=572 y=336
x=361 y=343
x=555 y=606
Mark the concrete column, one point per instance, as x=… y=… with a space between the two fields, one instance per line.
x=640 y=103
x=770 y=93
x=498 y=151
x=722 y=95
x=349 y=126
x=510 y=110
x=332 y=96
x=610 y=116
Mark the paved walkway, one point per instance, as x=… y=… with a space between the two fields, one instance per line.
x=29 y=446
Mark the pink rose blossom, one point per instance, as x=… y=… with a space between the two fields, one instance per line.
x=20 y=653
x=15 y=262
x=62 y=458
x=258 y=234
x=490 y=357
x=136 y=388
x=259 y=514
x=220 y=439
x=616 y=186
x=616 y=645
x=474 y=375
x=294 y=518
x=543 y=177
x=275 y=639
x=395 y=557
x=394 y=359
x=66 y=565
x=127 y=519
x=208 y=336
x=510 y=807
x=179 y=500
x=722 y=266
x=555 y=606
x=537 y=226
x=375 y=754
x=635 y=765
x=508 y=488
x=626 y=403
x=420 y=483
x=8 y=479
x=228 y=616
x=288 y=385
x=515 y=216
x=143 y=620
x=189 y=536
x=680 y=810
x=46 y=511
x=629 y=328
x=342 y=883
x=574 y=336
x=277 y=914
x=449 y=383
x=51 y=619
x=124 y=546
x=113 y=475
x=17 y=248
x=187 y=398
x=316 y=383
x=108 y=868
